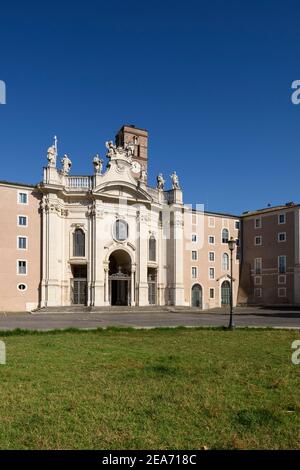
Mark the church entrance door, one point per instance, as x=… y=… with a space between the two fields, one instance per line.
x=119 y=278
x=79 y=285
x=79 y=291
x=119 y=291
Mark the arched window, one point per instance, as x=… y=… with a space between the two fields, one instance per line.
x=225 y=235
x=225 y=262
x=78 y=243
x=152 y=248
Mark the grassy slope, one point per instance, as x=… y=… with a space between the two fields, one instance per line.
x=150 y=389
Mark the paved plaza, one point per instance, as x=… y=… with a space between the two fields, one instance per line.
x=149 y=318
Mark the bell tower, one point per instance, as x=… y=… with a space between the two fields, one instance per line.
x=138 y=137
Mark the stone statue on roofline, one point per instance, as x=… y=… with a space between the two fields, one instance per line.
x=111 y=149
x=175 y=180
x=160 y=182
x=98 y=165
x=66 y=165
x=52 y=154
x=114 y=152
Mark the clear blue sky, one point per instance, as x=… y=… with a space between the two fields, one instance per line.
x=210 y=80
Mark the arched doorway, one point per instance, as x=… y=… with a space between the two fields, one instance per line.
x=225 y=293
x=119 y=278
x=197 y=296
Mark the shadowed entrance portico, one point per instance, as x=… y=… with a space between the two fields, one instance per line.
x=120 y=278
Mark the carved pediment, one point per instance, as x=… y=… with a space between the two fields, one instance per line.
x=119 y=189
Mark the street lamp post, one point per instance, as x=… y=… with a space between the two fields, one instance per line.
x=231 y=246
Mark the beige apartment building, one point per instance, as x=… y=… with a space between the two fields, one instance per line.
x=270 y=271
x=108 y=239
x=20 y=247
x=206 y=258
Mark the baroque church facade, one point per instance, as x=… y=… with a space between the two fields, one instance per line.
x=104 y=240
x=110 y=238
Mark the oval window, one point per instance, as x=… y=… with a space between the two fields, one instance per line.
x=120 y=230
x=22 y=287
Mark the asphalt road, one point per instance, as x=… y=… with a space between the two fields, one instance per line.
x=244 y=317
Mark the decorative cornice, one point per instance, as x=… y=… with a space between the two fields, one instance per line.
x=48 y=205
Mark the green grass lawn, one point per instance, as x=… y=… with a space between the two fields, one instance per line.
x=154 y=389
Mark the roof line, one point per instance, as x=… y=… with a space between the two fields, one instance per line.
x=12 y=183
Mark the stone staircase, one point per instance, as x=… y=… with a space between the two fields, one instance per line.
x=115 y=309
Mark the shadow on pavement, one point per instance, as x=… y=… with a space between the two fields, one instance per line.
x=271 y=311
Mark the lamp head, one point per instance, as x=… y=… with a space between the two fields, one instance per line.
x=231 y=244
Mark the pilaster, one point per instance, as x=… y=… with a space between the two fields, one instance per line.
x=142 y=256
x=177 y=234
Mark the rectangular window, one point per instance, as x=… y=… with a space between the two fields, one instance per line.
x=211 y=256
x=22 y=243
x=257 y=222
x=237 y=225
x=211 y=293
x=79 y=243
x=152 y=248
x=194 y=237
x=211 y=222
x=281 y=237
x=258 y=240
x=194 y=272
x=211 y=240
x=258 y=292
x=22 y=267
x=257 y=280
x=22 y=221
x=225 y=222
x=258 y=266
x=211 y=273
x=194 y=255
x=22 y=198
x=282 y=279
x=281 y=292
x=282 y=264
x=281 y=218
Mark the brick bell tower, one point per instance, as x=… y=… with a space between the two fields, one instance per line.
x=139 y=137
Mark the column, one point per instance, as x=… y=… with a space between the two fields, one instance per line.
x=132 y=284
x=161 y=254
x=106 y=299
x=142 y=257
x=99 y=254
x=44 y=289
x=53 y=279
